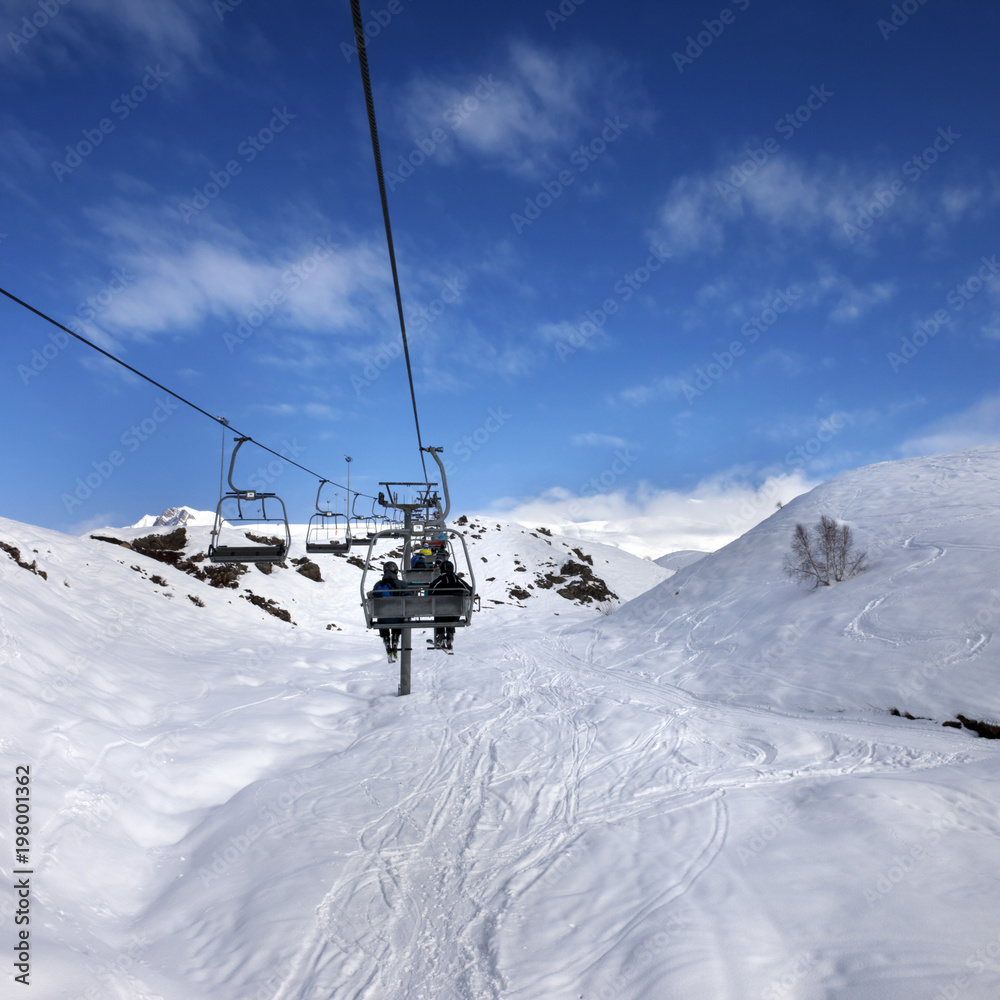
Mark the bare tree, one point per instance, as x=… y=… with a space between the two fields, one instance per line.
x=826 y=555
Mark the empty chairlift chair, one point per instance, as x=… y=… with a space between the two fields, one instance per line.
x=362 y=526
x=328 y=532
x=243 y=531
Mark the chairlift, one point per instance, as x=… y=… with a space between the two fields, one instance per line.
x=418 y=607
x=441 y=551
x=328 y=531
x=238 y=512
x=364 y=526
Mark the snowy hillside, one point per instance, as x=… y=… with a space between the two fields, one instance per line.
x=914 y=631
x=678 y=560
x=701 y=793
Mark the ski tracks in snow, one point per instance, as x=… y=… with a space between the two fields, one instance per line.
x=418 y=909
x=512 y=784
x=415 y=910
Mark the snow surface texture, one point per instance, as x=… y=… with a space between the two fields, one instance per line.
x=700 y=794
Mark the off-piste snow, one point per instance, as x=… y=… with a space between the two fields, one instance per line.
x=626 y=782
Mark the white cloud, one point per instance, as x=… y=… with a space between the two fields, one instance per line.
x=664 y=387
x=790 y=364
x=692 y=217
x=991 y=328
x=93 y=523
x=977 y=425
x=957 y=201
x=856 y=302
x=783 y=194
x=653 y=522
x=314 y=410
x=322 y=410
x=528 y=114
x=593 y=439
x=76 y=34
x=178 y=281
x=793 y=198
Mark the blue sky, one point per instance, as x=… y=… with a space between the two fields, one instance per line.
x=657 y=261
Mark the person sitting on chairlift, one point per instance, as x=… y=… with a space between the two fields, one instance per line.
x=447 y=584
x=421 y=560
x=390 y=586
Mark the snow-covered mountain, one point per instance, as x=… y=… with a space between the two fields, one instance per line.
x=701 y=793
x=176 y=517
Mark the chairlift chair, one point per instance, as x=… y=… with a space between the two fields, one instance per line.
x=418 y=607
x=328 y=532
x=433 y=537
x=250 y=508
x=363 y=526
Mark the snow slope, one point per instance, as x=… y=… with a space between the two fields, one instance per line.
x=678 y=560
x=700 y=794
x=914 y=631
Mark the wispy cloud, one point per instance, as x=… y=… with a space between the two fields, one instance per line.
x=969 y=428
x=178 y=280
x=528 y=111
x=664 y=387
x=595 y=440
x=794 y=198
x=856 y=302
x=88 y=31
x=319 y=411
x=784 y=194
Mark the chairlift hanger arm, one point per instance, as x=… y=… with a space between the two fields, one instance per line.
x=319 y=489
x=435 y=453
x=232 y=464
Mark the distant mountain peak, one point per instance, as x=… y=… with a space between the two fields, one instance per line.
x=174 y=517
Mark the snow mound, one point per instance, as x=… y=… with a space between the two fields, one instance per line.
x=915 y=631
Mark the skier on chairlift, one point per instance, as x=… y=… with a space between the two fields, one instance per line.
x=390 y=586
x=447 y=584
x=422 y=559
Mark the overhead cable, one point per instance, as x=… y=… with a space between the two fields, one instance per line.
x=359 y=36
x=176 y=395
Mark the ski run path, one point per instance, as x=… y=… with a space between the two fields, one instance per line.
x=702 y=794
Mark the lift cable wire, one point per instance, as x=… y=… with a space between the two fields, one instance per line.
x=359 y=36
x=194 y=406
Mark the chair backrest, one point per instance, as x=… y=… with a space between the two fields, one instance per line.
x=419 y=610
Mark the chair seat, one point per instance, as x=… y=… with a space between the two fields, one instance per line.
x=318 y=548
x=418 y=611
x=247 y=553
